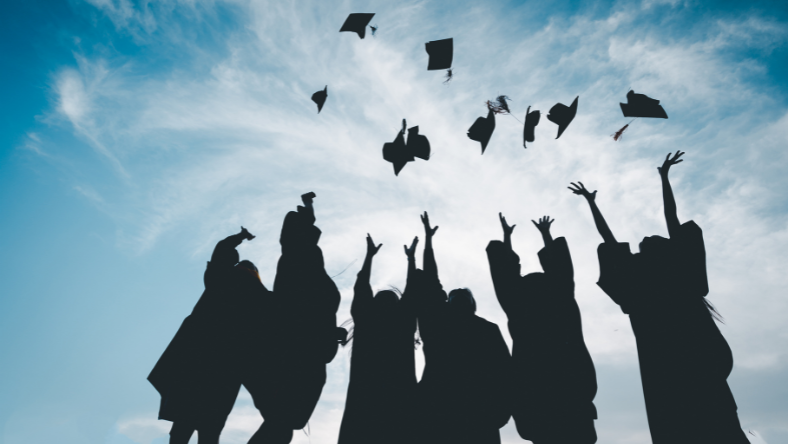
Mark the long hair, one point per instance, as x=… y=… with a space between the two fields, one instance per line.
x=713 y=311
x=349 y=325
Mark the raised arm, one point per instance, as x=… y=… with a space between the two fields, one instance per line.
x=430 y=266
x=504 y=266
x=507 y=231
x=224 y=257
x=667 y=193
x=362 y=291
x=411 y=254
x=224 y=253
x=410 y=283
x=601 y=225
x=544 y=227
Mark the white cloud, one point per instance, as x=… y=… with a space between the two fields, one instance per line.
x=210 y=150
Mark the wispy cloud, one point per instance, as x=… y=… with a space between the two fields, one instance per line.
x=229 y=137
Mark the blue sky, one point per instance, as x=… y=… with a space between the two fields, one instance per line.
x=135 y=135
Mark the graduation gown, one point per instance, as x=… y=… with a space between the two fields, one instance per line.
x=554 y=381
x=464 y=392
x=380 y=405
x=288 y=377
x=198 y=374
x=684 y=359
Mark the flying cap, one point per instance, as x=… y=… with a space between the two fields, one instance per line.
x=357 y=23
x=641 y=105
x=399 y=153
x=562 y=115
x=531 y=120
x=482 y=129
x=441 y=53
x=320 y=98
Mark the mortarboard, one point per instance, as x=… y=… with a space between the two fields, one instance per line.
x=400 y=153
x=482 y=129
x=531 y=120
x=320 y=98
x=441 y=53
x=641 y=105
x=357 y=23
x=562 y=115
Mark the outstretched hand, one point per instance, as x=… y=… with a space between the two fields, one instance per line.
x=371 y=248
x=582 y=191
x=246 y=234
x=507 y=230
x=425 y=219
x=411 y=252
x=544 y=224
x=663 y=170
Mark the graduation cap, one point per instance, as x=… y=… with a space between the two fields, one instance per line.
x=400 y=152
x=482 y=129
x=531 y=120
x=641 y=105
x=320 y=98
x=441 y=53
x=357 y=23
x=562 y=115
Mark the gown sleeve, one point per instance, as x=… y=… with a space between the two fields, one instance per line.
x=557 y=265
x=362 y=295
x=616 y=273
x=505 y=271
x=691 y=257
x=430 y=301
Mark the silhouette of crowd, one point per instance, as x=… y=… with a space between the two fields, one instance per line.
x=278 y=342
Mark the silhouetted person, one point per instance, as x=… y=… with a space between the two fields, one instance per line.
x=684 y=359
x=381 y=395
x=287 y=378
x=554 y=381
x=464 y=391
x=198 y=374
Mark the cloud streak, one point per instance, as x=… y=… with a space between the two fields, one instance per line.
x=237 y=141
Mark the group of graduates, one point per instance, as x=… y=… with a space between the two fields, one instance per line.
x=277 y=343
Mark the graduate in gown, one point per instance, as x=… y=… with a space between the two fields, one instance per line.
x=554 y=381
x=684 y=359
x=198 y=374
x=381 y=395
x=464 y=390
x=287 y=377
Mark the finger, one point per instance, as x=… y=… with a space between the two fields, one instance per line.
x=581 y=184
x=537 y=225
x=512 y=227
x=434 y=230
x=573 y=184
x=679 y=161
x=668 y=156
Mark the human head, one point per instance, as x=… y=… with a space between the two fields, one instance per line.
x=386 y=299
x=461 y=301
x=249 y=267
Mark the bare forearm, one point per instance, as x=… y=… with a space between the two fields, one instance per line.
x=547 y=238
x=671 y=216
x=601 y=224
